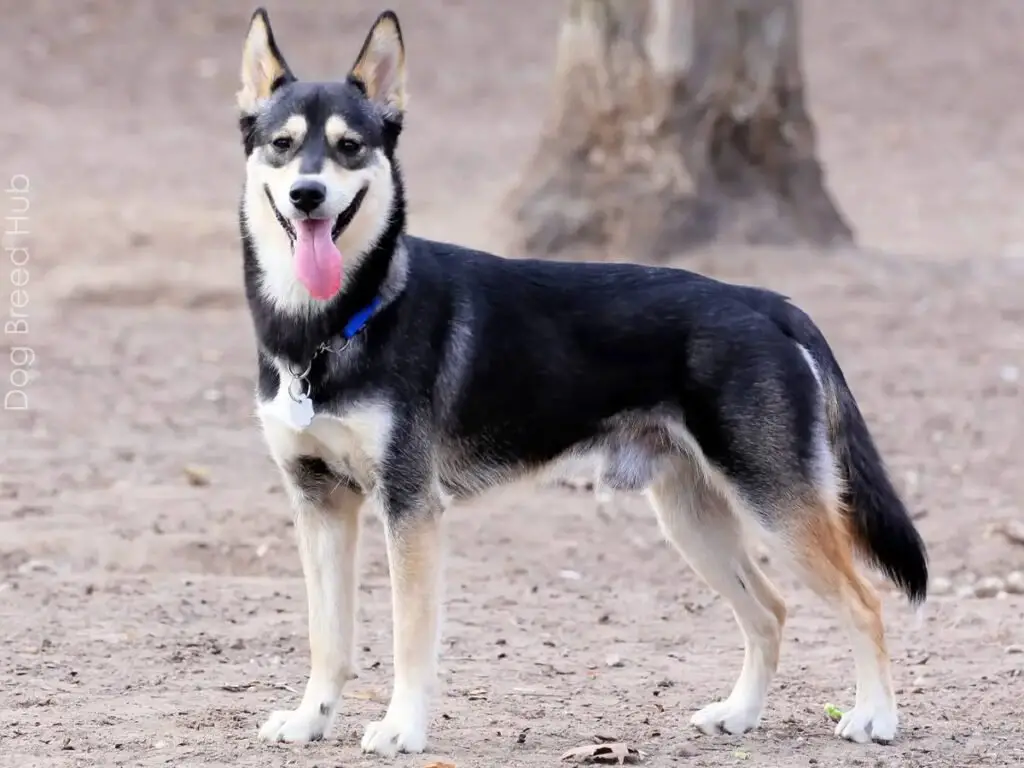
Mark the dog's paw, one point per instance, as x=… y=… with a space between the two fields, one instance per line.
x=869 y=722
x=728 y=716
x=295 y=726
x=392 y=735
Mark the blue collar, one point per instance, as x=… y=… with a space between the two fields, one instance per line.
x=355 y=324
x=360 y=319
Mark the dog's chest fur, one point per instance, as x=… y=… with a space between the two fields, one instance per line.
x=352 y=441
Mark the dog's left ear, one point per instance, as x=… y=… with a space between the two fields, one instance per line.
x=263 y=68
x=380 y=66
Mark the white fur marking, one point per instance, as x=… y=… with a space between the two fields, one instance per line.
x=827 y=475
x=356 y=439
x=874 y=716
x=701 y=522
x=273 y=249
x=328 y=546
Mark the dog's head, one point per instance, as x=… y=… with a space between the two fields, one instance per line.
x=320 y=189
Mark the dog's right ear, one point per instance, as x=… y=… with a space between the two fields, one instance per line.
x=263 y=68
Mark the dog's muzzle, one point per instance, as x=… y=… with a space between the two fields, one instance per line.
x=343 y=220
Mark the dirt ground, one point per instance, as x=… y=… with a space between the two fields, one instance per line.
x=151 y=604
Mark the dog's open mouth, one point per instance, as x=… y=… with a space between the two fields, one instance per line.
x=317 y=259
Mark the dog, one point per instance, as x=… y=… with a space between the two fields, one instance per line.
x=410 y=373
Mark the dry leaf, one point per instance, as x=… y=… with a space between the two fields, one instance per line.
x=439 y=765
x=606 y=754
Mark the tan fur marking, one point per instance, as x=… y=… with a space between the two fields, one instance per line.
x=328 y=545
x=763 y=589
x=295 y=128
x=826 y=547
x=337 y=129
x=415 y=553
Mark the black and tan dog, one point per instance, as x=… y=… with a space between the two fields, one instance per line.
x=407 y=373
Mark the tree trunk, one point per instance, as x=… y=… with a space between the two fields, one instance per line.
x=676 y=123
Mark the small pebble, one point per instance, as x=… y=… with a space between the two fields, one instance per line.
x=988 y=587
x=940 y=586
x=1015 y=583
x=1013 y=650
x=213 y=395
x=614 y=661
x=196 y=476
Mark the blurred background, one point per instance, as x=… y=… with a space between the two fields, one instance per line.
x=150 y=592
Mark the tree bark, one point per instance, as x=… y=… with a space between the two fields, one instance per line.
x=675 y=123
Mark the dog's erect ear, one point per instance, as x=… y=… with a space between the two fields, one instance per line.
x=263 y=68
x=380 y=66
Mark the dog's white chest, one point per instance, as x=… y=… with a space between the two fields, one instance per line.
x=353 y=441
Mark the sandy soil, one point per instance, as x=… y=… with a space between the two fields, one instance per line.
x=151 y=603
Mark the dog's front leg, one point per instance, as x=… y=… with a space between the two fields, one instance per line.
x=327 y=526
x=415 y=554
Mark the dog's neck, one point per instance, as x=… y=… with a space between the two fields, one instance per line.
x=295 y=337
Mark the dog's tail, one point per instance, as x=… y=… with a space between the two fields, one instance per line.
x=881 y=525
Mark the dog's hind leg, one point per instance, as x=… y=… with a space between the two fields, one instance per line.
x=824 y=552
x=327 y=526
x=415 y=555
x=700 y=521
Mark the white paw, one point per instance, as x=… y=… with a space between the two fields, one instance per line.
x=392 y=735
x=869 y=722
x=728 y=716
x=296 y=726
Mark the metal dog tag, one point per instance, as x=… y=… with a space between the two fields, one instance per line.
x=297 y=406
x=300 y=412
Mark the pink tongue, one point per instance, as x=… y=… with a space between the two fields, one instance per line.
x=317 y=259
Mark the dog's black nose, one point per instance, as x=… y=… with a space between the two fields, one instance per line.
x=307 y=195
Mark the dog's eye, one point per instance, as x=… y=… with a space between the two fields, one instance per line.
x=282 y=143
x=349 y=147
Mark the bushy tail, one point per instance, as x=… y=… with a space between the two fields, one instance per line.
x=882 y=529
x=881 y=524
